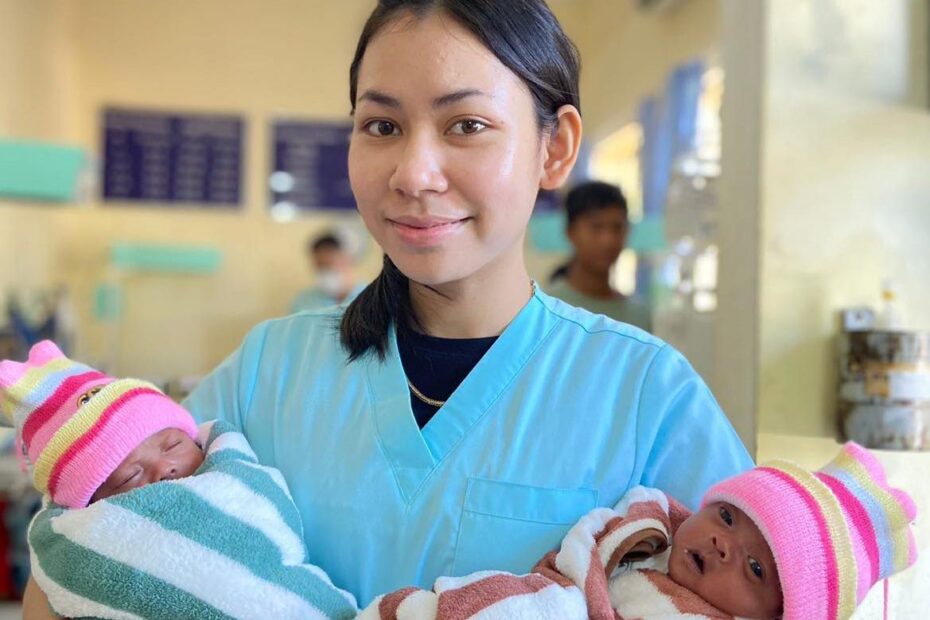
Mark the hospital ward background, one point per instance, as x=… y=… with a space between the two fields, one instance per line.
x=173 y=173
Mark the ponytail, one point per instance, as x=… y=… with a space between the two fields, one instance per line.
x=368 y=318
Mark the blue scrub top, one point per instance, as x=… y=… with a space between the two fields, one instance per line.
x=565 y=412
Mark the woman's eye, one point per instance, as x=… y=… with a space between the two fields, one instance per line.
x=726 y=516
x=381 y=129
x=468 y=127
x=755 y=567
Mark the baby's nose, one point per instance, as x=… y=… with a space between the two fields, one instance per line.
x=722 y=545
x=169 y=471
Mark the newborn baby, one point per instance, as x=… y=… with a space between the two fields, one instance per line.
x=145 y=514
x=774 y=542
x=169 y=454
x=719 y=554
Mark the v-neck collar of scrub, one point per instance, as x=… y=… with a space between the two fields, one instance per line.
x=415 y=453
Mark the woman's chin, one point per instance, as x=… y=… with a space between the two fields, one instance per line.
x=431 y=268
x=430 y=277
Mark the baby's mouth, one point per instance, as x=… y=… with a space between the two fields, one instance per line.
x=698 y=561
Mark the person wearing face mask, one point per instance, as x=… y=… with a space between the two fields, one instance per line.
x=335 y=282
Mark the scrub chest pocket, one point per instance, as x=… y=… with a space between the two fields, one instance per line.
x=510 y=527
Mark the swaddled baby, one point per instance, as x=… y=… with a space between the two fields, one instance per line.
x=774 y=542
x=146 y=514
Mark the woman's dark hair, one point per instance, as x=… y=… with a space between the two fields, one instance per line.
x=584 y=198
x=527 y=38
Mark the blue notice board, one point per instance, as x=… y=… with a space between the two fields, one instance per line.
x=172 y=158
x=310 y=167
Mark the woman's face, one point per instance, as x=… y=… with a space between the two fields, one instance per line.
x=446 y=155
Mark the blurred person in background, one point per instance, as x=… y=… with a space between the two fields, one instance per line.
x=335 y=279
x=598 y=226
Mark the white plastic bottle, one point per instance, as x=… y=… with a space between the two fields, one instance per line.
x=889 y=316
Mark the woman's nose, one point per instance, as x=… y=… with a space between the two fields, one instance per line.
x=419 y=168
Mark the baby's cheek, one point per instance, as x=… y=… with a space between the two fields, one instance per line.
x=196 y=460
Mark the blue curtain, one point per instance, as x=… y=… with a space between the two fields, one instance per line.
x=669 y=123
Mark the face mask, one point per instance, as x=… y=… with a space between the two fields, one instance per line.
x=330 y=282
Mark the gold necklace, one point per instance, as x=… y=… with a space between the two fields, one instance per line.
x=432 y=402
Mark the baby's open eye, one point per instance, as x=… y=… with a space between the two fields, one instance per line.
x=84 y=398
x=756 y=568
x=726 y=516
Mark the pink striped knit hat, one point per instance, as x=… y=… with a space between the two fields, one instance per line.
x=75 y=425
x=834 y=532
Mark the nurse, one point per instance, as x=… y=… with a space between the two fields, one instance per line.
x=455 y=417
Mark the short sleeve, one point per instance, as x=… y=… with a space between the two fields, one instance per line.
x=684 y=442
x=226 y=393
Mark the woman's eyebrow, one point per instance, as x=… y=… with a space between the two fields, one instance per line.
x=457 y=96
x=380 y=98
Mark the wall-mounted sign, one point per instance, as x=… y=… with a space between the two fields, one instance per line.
x=310 y=168
x=169 y=157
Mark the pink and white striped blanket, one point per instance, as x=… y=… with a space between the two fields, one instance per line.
x=610 y=567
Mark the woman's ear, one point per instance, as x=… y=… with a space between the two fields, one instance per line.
x=561 y=149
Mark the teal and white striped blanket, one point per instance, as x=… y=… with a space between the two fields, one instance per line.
x=226 y=542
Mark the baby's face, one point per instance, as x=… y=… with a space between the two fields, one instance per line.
x=166 y=455
x=720 y=554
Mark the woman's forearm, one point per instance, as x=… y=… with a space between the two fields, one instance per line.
x=35 y=603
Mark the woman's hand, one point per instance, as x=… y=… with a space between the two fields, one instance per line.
x=35 y=603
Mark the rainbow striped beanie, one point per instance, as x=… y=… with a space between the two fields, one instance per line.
x=834 y=532
x=75 y=425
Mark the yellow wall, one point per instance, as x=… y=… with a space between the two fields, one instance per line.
x=36 y=94
x=628 y=53
x=36 y=69
x=62 y=61
x=210 y=55
x=845 y=203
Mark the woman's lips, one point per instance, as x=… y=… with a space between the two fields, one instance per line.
x=426 y=232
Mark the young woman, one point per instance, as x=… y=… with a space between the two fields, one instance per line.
x=456 y=418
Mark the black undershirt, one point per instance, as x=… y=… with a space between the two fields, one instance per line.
x=436 y=366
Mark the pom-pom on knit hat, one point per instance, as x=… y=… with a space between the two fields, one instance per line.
x=75 y=425
x=834 y=532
